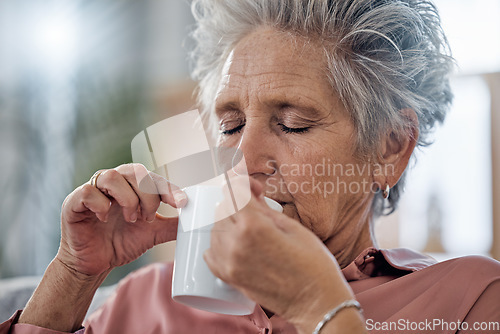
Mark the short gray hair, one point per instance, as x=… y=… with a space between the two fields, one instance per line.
x=383 y=56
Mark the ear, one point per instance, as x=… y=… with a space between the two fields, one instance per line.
x=395 y=150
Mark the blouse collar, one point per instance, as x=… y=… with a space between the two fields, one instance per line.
x=381 y=262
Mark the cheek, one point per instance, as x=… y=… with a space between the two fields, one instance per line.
x=317 y=213
x=315 y=203
x=323 y=186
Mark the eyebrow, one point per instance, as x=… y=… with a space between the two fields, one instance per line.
x=225 y=108
x=307 y=110
x=281 y=105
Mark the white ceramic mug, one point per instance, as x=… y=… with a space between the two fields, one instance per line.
x=193 y=283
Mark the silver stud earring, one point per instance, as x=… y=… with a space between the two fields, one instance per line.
x=386 y=191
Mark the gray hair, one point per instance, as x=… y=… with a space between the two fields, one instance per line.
x=383 y=56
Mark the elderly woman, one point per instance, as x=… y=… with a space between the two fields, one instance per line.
x=356 y=83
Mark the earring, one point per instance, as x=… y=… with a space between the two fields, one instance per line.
x=386 y=191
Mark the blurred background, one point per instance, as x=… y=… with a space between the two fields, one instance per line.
x=79 y=79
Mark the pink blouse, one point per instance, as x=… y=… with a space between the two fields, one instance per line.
x=401 y=291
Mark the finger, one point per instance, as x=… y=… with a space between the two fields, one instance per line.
x=211 y=262
x=224 y=210
x=169 y=192
x=237 y=188
x=221 y=242
x=257 y=188
x=113 y=184
x=164 y=228
x=88 y=197
x=143 y=185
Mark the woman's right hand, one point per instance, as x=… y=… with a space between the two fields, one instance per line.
x=114 y=221
x=103 y=226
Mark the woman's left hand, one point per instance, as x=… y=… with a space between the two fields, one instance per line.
x=277 y=262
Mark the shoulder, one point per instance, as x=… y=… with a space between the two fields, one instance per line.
x=441 y=290
x=479 y=270
x=473 y=266
x=478 y=279
x=467 y=277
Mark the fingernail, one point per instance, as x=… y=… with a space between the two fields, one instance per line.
x=133 y=217
x=179 y=197
x=151 y=218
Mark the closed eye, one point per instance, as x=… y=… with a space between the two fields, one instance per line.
x=287 y=129
x=283 y=127
x=232 y=131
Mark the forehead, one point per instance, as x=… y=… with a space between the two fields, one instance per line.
x=273 y=60
x=267 y=50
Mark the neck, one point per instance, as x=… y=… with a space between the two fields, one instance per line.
x=348 y=254
x=353 y=238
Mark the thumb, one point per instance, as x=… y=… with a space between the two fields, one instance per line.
x=164 y=228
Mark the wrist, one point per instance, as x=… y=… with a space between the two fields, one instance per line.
x=323 y=297
x=335 y=317
x=68 y=273
x=346 y=321
x=61 y=300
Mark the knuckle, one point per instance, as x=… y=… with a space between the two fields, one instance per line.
x=134 y=172
x=234 y=273
x=134 y=168
x=86 y=190
x=122 y=169
x=112 y=175
x=138 y=166
x=247 y=227
x=221 y=227
x=123 y=166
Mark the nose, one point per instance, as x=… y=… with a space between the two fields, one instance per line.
x=259 y=152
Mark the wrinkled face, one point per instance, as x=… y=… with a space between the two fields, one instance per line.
x=275 y=103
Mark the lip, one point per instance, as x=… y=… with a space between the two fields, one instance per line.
x=279 y=202
x=278 y=199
